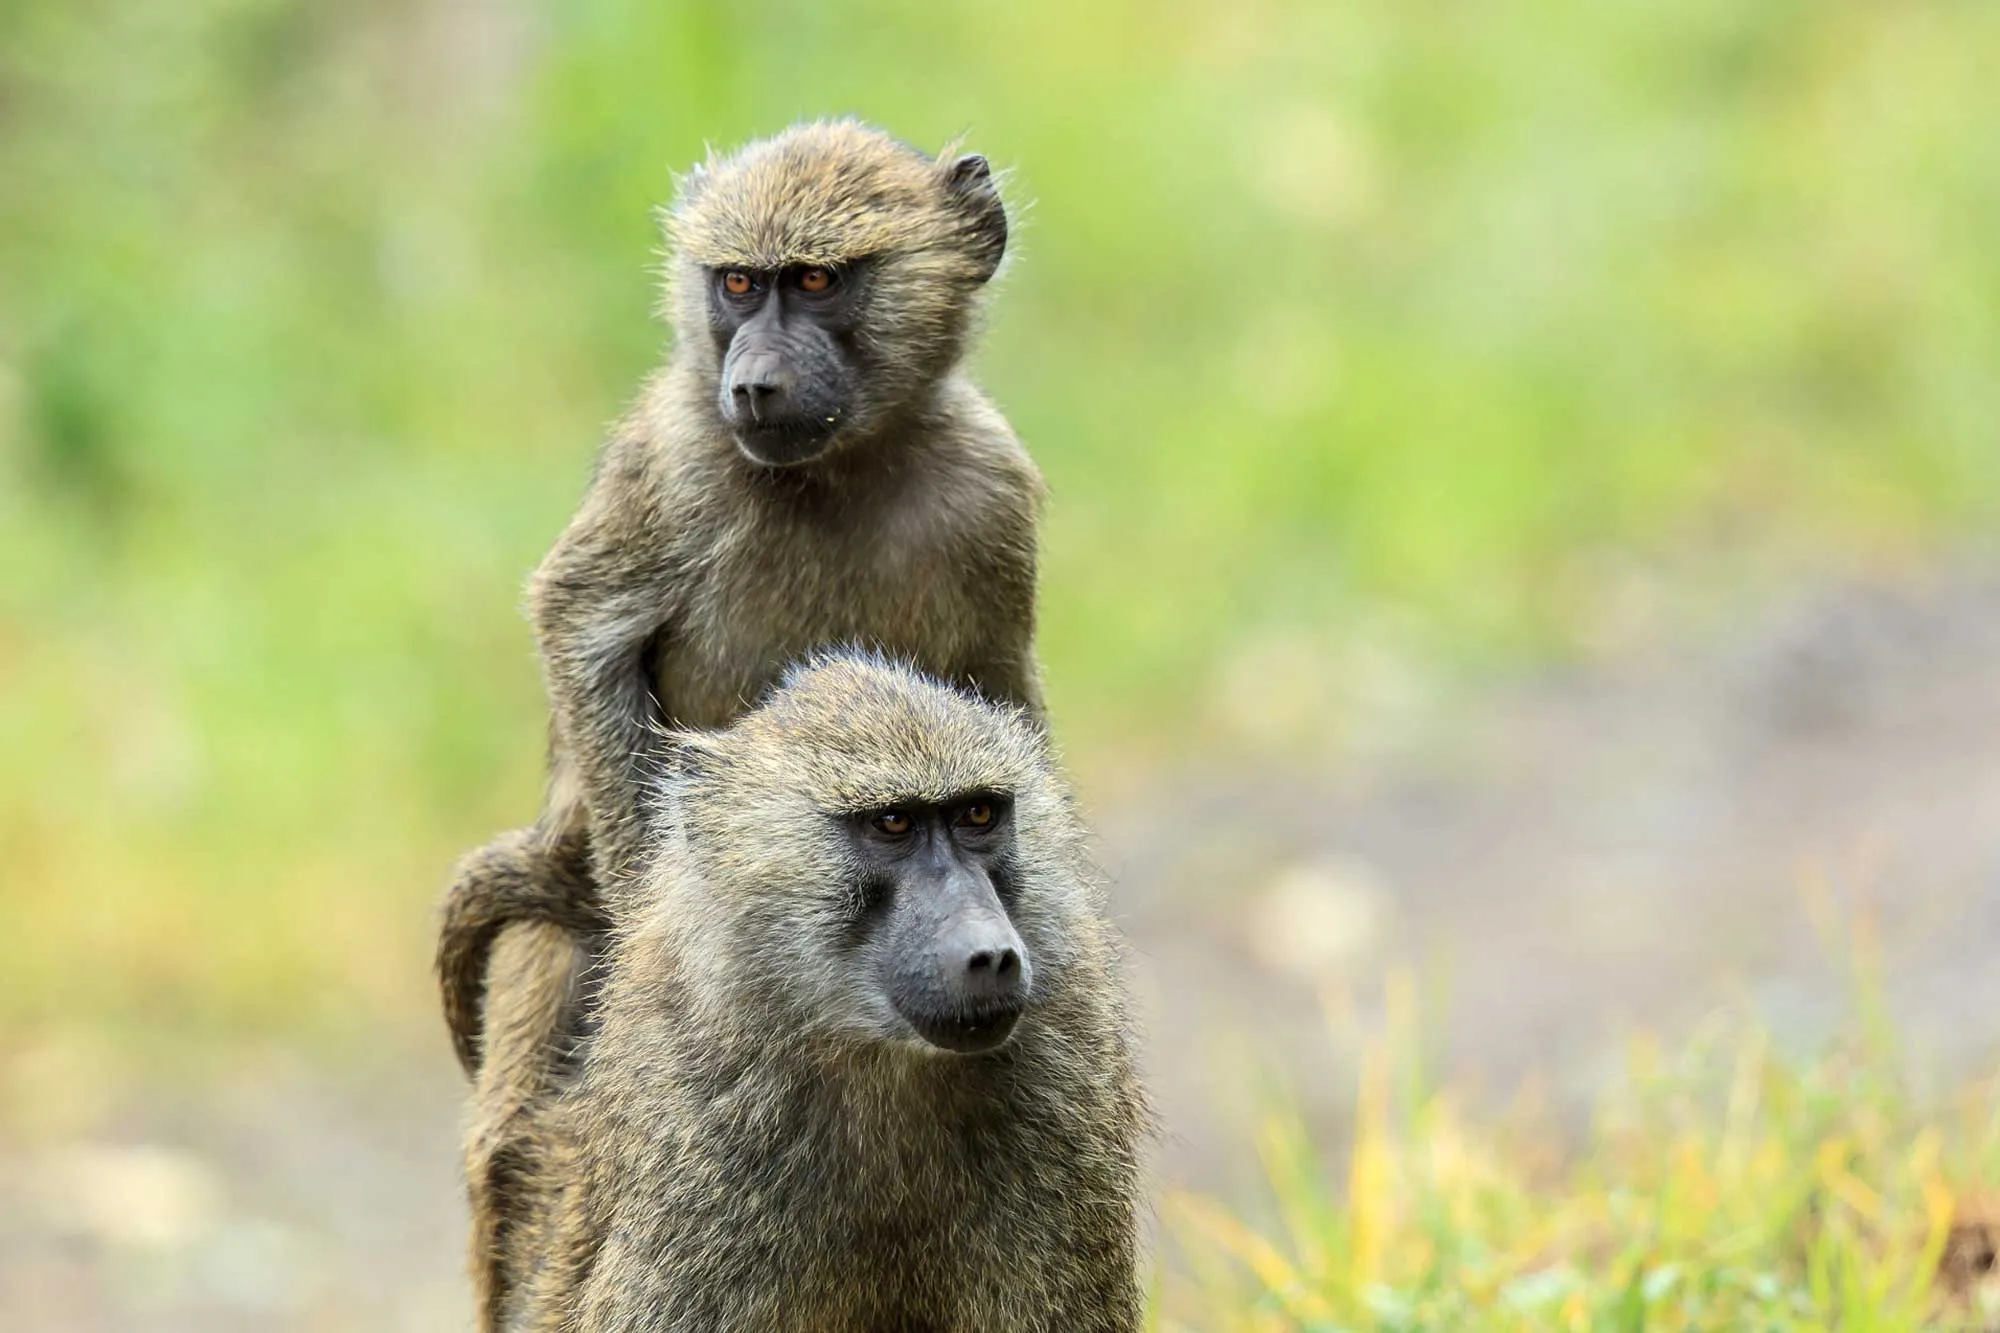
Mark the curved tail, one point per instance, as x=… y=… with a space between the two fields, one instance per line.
x=525 y=875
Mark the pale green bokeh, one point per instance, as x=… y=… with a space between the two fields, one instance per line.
x=1433 y=333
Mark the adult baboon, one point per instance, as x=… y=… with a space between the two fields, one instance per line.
x=810 y=468
x=862 y=1061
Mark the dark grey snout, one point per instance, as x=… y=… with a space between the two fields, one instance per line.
x=959 y=973
x=759 y=388
x=783 y=390
x=982 y=958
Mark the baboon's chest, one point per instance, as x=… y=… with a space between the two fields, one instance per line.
x=763 y=597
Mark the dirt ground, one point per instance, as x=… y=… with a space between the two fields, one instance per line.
x=1627 y=847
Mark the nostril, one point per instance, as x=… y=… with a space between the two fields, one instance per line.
x=993 y=965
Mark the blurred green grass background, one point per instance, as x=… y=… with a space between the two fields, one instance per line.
x=1719 y=1186
x=1360 y=341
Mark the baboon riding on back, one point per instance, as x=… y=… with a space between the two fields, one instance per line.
x=810 y=468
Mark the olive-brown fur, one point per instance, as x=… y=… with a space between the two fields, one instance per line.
x=746 y=1150
x=690 y=575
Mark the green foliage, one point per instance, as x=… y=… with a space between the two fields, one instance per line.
x=1346 y=333
x=1727 y=1188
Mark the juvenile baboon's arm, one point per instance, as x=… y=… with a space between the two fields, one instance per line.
x=1007 y=669
x=597 y=602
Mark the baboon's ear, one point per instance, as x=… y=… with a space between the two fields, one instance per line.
x=971 y=185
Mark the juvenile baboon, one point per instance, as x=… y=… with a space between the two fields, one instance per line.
x=862 y=1062
x=810 y=468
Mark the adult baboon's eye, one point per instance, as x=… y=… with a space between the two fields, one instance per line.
x=815 y=280
x=736 y=282
x=979 y=814
x=895 y=823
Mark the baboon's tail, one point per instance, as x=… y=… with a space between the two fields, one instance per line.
x=524 y=875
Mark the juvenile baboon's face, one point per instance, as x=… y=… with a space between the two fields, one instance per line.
x=833 y=271
x=790 y=363
x=935 y=889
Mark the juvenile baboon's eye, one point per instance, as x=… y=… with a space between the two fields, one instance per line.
x=979 y=814
x=895 y=823
x=736 y=282
x=815 y=280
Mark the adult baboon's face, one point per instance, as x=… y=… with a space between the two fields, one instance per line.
x=872 y=860
x=895 y=924
x=933 y=910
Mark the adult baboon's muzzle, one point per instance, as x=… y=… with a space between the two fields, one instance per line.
x=958 y=971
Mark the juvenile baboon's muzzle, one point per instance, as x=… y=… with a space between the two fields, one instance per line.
x=783 y=389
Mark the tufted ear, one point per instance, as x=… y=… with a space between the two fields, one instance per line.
x=971 y=187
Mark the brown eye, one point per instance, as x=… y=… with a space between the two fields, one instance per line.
x=736 y=282
x=892 y=822
x=815 y=280
x=978 y=814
